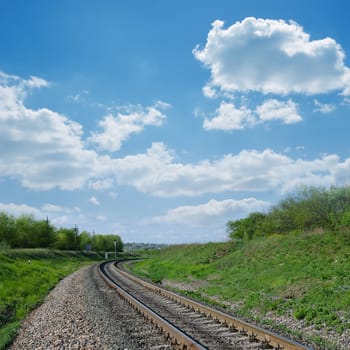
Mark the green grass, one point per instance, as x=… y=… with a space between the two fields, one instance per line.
x=26 y=276
x=305 y=276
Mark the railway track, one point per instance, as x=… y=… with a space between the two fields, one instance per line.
x=189 y=324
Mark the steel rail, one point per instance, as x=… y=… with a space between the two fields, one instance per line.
x=275 y=340
x=178 y=338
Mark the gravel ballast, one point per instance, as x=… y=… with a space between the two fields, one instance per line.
x=82 y=312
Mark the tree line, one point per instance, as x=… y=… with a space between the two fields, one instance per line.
x=307 y=209
x=27 y=232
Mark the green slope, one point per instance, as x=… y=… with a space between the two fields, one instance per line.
x=26 y=276
x=304 y=278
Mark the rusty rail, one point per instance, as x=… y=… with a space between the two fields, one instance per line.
x=265 y=336
x=178 y=338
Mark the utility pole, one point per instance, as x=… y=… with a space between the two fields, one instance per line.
x=115 y=250
x=47 y=232
x=76 y=237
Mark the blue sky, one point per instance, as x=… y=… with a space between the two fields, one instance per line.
x=160 y=120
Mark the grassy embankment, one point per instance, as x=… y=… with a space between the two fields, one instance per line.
x=26 y=276
x=303 y=277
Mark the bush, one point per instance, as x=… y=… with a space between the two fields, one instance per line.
x=309 y=208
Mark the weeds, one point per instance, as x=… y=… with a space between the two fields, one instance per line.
x=26 y=276
x=303 y=275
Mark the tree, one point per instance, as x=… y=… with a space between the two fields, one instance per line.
x=85 y=239
x=247 y=228
x=106 y=243
x=27 y=232
x=339 y=205
x=66 y=239
x=119 y=243
x=43 y=234
x=7 y=229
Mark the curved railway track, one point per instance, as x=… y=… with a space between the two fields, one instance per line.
x=189 y=324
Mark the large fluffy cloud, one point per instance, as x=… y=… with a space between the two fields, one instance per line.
x=156 y=172
x=42 y=148
x=272 y=56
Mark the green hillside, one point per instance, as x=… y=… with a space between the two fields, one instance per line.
x=287 y=281
x=26 y=276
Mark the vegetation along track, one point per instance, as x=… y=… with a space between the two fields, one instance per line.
x=189 y=324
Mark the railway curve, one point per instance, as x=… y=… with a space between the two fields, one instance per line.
x=187 y=323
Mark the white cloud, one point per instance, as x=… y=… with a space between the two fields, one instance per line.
x=342 y=173
x=212 y=211
x=20 y=209
x=42 y=148
x=323 y=108
x=113 y=194
x=228 y=117
x=36 y=82
x=272 y=56
x=93 y=200
x=57 y=215
x=117 y=129
x=80 y=97
x=279 y=110
x=23 y=84
x=144 y=169
x=52 y=208
x=54 y=212
x=101 y=184
x=162 y=105
x=250 y=170
x=209 y=91
x=70 y=220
